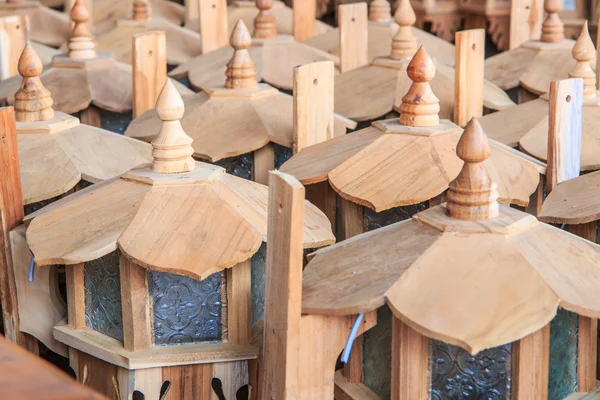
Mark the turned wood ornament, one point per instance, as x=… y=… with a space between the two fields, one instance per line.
x=472 y=195
x=553 y=30
x=142 y=10
x=81 y=43
x=241 y=70
x=584 y=52
x=404 y=43
x=264 y=24
x=420 y=106
x=33 y=101
x=380 y=11
x=172 y=149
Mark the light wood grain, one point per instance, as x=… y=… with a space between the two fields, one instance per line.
x=107 y=13
x=531 y=361
x=546 y=67
x=76 y=296
x=283 y=291
x=149 y=70
x=410 y=363
x=304 y=19
x=47 y=26
x=354 y=36
x=505 y=69
x=214 y=32
x=137 y=323
x=13 y=38
x=239 y=319
x=572 y=202
x=525 y=21
x=468 y=83
x=263 y=162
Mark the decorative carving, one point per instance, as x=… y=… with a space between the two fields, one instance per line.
x=380 y=11
x=241 y=70
x=81 y=43
x=553 y=30
x=33 y=101
x=444 y=25
x=456 y=374
x=264 y=23
x=103 y=310
x=499 y=30
x=563 y=355
x=186 y=310
x=404 y=43
x=584 y=52
x=142 y=10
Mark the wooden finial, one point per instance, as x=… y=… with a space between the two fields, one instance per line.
x=142 y=10
x=553 y=30
x=81 y=43
x=32 y=101
x=404 y=44
x=584 y=52
x=380 y=11
x=473 y=196
x=264 y=23
x=241 y=70
x=172 y=149
x=419 y=106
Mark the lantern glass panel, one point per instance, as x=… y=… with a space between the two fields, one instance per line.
x=563 y=355
x=186 y=310
x=240 y=166
x=258 y=283
x=102 y=281
x=282 y=154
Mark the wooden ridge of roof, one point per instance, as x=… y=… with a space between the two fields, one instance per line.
x=508 y=270
x=246 y=11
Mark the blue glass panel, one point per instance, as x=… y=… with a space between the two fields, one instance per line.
x=103 y=311
x=186 y=310
x=114 y=122
x=282 y=154
x=563 y=355
x=258 y=263
x=239 y=165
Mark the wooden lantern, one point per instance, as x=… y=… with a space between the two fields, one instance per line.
x=246 y=10
x=182 y=44
x=47 y=26
x=249 y=149
x=535 y=63
x=527 y=124
x=372 y=91
x=85 y=81
x=275 y=56
x=443 y=16
x=164 y=270
x=380 y=30
x=472 y=286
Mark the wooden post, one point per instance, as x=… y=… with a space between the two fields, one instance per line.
x=410 y=363
x=283 y=292
x=354 y=36
x=264 y=161
x=137 y=323
x=11 y=216
x=239 y=297
x=191 y=10
x=305 y=12
x=13 y=38
x=213 y=25
x=525 y=21
x=468 y=82
x=149 y=69
x=313 y=104
x=75 y=296
x=530 y=357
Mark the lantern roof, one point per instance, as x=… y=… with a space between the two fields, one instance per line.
x=182 y=44
x=275 y=56
x=535 y=63
x=527 y=124
x=471 y=272
x=82 y=76
x=237 y=118
x=107 y=13
x=410 y=159
x=374 y=90
x=55 y=150
x=175 y=215
x=381 y=29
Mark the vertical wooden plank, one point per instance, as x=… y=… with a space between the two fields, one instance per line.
x=354 y=36
x=148 y=381
x=468 y=83
x=324 y=198
x=75 y=295
x=264 y=161
x=233 y=375
x=410 y=363
x=283 y=292
x=305 y=12
x=13 y=38
x=90 y=116
x=137 y=323
x=564 y=131
x=189 y=382
x=99 y=375
x=149 y=69
x=313 y=104
x=239 y=321
x=11 y=216
x=530 y=357
x=526 y=18
x=213 y=25
x=191 y=10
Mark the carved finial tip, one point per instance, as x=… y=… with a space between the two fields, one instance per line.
x=405 y=15
x=421 y=67
x=169 y=105
x=30 y=63
x=583 y=50
x=473 y=146
x=79 y=13
x=240 y=37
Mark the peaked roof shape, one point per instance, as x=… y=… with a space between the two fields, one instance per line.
x=176 y=215
x=508 y=270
